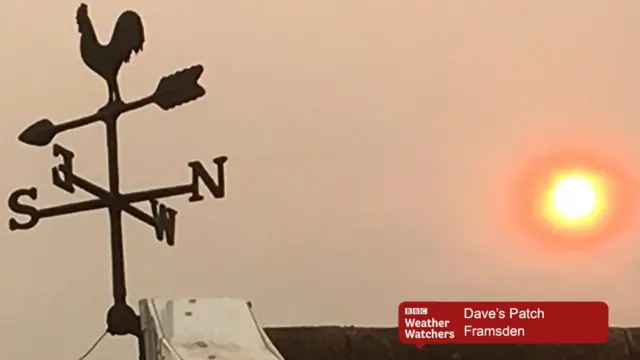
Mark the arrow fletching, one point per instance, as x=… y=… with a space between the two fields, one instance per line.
x=179 y=88
x=39 y=133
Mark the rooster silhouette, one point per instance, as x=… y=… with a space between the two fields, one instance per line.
x=106 y=60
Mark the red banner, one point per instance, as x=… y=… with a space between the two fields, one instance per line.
x=423 y=323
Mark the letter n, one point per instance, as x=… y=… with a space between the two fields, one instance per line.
x=198 y=172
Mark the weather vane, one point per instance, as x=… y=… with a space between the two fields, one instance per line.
x=172 y=90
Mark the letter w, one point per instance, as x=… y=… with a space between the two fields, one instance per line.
x=165 y=221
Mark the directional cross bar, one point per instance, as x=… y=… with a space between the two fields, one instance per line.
x=162 y=217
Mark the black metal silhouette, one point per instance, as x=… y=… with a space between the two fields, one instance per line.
x=172 y=90
x=106 y=60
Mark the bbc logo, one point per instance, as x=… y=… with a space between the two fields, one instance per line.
x=415 y=311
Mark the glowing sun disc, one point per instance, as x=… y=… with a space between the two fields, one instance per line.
x=574 y=197
x=573 y=200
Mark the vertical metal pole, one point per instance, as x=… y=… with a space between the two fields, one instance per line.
x=115 y=214
x=131 y=322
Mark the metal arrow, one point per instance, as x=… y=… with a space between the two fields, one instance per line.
x=173 y=90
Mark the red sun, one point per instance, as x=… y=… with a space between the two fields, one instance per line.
x=573 y=200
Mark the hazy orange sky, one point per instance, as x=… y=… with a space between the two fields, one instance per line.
x=370 y=144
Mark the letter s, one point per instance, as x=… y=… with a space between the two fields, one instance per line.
x=19 y=208
x=501 y=314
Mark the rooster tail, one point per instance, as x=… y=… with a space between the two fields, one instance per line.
x=128 y=35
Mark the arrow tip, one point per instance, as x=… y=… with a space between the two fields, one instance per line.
x=39 y=133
